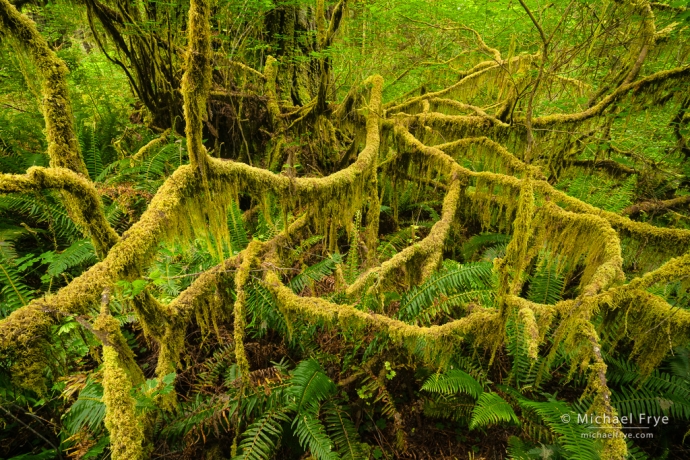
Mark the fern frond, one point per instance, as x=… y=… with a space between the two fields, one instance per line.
x=310 y=386
x=238 y=234
x=546 y=285
x=343 y=432
x=44 y=209
x=571 y=436
x=312 y=435
x=14 y=293
x=79 y=253
x=304 y=246
x=477 y=242
x=197 y=415
x=395 y=242
x=455 y=407
x=90 y=150
x=262 y=310
x=451 y=280
x=452 y=382
x=87 y=411
x=491 y=409
x=260 y=438
x=315 y=273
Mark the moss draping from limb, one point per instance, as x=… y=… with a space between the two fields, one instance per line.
x=574 y=236
x=63 y=147
x=196 y=81
x=650 y=83
x=472 y=79
x=132 y=252
x=168 y=216
x=662 y=239
x=207 y=292
x=494 y=157
x=480 y=324
x=86 y=208
x=415 y=255
x=107 y=330
x=126 y=431
x=241 y=277
x=651 y=323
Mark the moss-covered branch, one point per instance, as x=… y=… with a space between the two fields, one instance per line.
x=86 y=207
x=196 y=81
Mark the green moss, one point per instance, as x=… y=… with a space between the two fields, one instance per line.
x=196 y=81
x=63 y=147
x=241 y=277
x=126 y=430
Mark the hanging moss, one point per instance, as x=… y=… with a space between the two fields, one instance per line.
x=241 y=278
x=84 y=203
x=108 y=331
x=481 y=324
x=126 y=431
x=63 y=147
x=469 y=83
x=411 y=256
x=196 y=81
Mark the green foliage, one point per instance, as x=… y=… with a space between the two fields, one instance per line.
x=546 y=284
x=600 y=191
x=315 y=273
x=87 y=411
x=14 y=292
x=310 y=386
x=259 y=440
x=491 y=409
x=480 y=241
x=453 y=381
x=572 y=436
x=238 y=234
x=342 y=431
x=79 y=253
x=453 y=286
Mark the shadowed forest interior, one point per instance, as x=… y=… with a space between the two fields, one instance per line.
x=354 y=229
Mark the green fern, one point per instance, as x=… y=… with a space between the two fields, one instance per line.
x=546 y=285
x=312 y=435
x=573 y=437
x=198 y=414
x=238 y=234
x=452 y=382
x=395 y=242
x=42 y=208
x=352 y=267
x=491 y=409
x=90 y=150
x=343 y=432
x=263 y=311
x=310 y=386
x=600 y=191
x=79 y=253
x=477 y=242
x=14 y=292
x=259 y=440
x=451 y=286
x=87 y=411
x=315 y=273
x=657 y=394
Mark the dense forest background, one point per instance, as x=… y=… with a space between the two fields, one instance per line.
x=365 y=229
